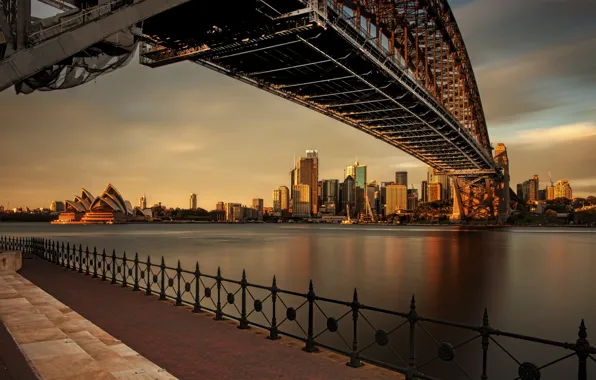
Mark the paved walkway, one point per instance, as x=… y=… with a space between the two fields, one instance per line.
x=189 y=345
x=59 y=343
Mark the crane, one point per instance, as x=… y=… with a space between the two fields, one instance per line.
x=551 y=179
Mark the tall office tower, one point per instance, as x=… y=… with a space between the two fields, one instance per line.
x=520 y=191
x=233 y=212
x=412 y=199
x=435 y=191
x=285 y=198
x=143 y=202
x=220 y=206
x=306 y=174
x=397 y=199
x=314 y=182
x=276 y=200
x=330 y=191
x=424 y=191
x=401 y=178
x=359 y=173
x=257 y=204
x=193 y=201
x=563 y=189
x=550 y=192
x=57 y=206
x=349 y=196
x=293 y=179
x=301 y=204
x=434 y=177
x=530 y=190
x=537 y=186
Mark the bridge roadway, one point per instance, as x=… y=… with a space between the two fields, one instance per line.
x=189 y=345
x=396 y=70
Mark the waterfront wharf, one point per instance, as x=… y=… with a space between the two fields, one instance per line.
x=189 y=345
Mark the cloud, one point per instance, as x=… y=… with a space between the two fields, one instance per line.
x=545 y=137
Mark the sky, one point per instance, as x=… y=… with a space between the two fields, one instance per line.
x=168 y=132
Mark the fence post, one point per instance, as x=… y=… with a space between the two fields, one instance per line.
x=243 y=321
x=94 y=262
x=124 y=271
x=179 y=292
x=354 y=357
x=273 y=335
x=485 y=331
x=103 y=265
x=74 y=257
x=80 y=258
x=162 y=293
x=87 y=261
x=197 y=306
x=61 y=258
x=148 y=290
x=412 y=319
x=218 y=312
x=113 y=267
x=310 y=340
x=135 y=287
x=582 y=349
x=67 y=255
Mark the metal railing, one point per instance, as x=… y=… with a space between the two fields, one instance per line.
x=218 y=295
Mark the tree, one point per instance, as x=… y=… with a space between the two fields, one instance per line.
x=591 y=200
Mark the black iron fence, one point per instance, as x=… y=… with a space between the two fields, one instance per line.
x=267 y=307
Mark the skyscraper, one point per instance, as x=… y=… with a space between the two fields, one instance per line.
x=401 y=178
x=330 y=191
x=306 y=173
x=434 y=177
x=193 y=201
x=349 y=195
x=276 y=200
x=435 y=192
x=143 y=202
x=257 y=204
x=284 y=198
x=314 y=182
x=301 y=203
x=424 y=191
x=412 y=199
x=397 y=199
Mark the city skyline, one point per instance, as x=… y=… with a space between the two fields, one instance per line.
x=192 y=118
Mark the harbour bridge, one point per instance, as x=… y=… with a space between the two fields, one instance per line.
x=395 y=69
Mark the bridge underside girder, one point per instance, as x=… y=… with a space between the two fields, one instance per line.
x=317 y=60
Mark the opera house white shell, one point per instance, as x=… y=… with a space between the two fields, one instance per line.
x=108 y=208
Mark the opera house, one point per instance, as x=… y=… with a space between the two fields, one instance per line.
x=108 y=208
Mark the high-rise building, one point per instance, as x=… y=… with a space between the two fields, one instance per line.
x=537 y=188
x=530 y=189
x=349 y=195
x=220 y=206
x=277 y=200
x=434 y=177
x=330 y=191
x=397 y=199
x=358 y=173
x=563 y=189
x=285 y=198
x=301 y=204
x=401 y=178
x=424 y=191
x=371 y=189
x=257 y=204
x=233 y=212
x=306 y=173
x=550 y=192
x=57 y=206
x=412 y=199
x=435 y=191
x=143 y=202
x=193 y=201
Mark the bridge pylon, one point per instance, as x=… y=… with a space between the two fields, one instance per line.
x=484 y=198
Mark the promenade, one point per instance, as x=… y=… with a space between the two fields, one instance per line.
x=188 y=345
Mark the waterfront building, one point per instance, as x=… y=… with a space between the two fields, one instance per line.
x=530 y=189
x=285 y=198
x=57 y=206
x=233 y=212
x=143 y=202
x=193 y=201
x=330 y=191
x=277 y=201
x=397 y=199
x=412 y=199
x=424 y=191
x=401 y=178
x=435 y=192
x=109 y=208
x=257 y=204
x=220 y=206
x=563 y=189
x=301 y=202
x=307 y=173
x=349 y=196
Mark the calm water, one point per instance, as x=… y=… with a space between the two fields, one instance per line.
x=534 y=281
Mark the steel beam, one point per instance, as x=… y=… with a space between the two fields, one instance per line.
x=28 y=62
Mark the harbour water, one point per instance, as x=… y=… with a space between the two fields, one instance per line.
x=533 y=281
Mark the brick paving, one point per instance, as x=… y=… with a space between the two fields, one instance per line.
x=189 y=345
